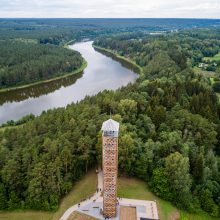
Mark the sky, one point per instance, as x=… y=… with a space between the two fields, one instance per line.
x=110 y=8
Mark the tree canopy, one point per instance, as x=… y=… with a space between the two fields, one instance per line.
x=27 y=62
x=169 y=133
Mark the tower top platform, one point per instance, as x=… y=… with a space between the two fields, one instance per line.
x=110 y=125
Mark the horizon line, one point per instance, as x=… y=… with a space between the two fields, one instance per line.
x=108 y=18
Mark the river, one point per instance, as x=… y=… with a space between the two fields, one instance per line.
x=103 y=72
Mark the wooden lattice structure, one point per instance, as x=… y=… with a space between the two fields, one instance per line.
x=110 y=130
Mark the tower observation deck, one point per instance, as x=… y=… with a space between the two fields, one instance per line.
x=110 y=130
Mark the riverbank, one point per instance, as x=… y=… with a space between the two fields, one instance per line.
x=66 y=45
x=119 y=57
x=84 y=65
x=101 y=73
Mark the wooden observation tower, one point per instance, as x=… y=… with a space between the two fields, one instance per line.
x=110 y=129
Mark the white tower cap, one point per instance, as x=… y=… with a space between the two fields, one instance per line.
x=110 y=125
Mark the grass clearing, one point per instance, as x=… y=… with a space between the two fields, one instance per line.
x=82 y=189
x=26 y=215
x=204 y=72
x=136 y=189
x=127 y=188
x=212 y=80
x=26 y=40
x=197 y=216
x=209 y=74
x=215 y=58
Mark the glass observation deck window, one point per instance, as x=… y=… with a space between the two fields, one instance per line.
x=110 y=133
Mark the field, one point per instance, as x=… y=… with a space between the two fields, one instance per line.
x=215 y=58
x=137 y=189
x=209 y=74
x=198 y=70
x=190 y=216
x=83 y=189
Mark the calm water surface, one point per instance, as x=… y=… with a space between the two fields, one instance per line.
x=101 y=73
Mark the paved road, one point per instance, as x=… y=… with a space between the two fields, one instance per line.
x=94 y=197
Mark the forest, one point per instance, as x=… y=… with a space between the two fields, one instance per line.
x=31 y=49
x=59 y=31
x=198 y=48
x=26 y=61
x=169 y=133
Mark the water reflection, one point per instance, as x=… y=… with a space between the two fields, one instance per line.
x=123 y=62
x=38 y=90
x=101 y=73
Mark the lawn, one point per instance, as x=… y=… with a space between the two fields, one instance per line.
x=209 y=74
x=198 y=216
x=82 y=189
x=26 y=215
x=137 y=189
x=127 y=187
x=198 y=70
x=215 y=58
